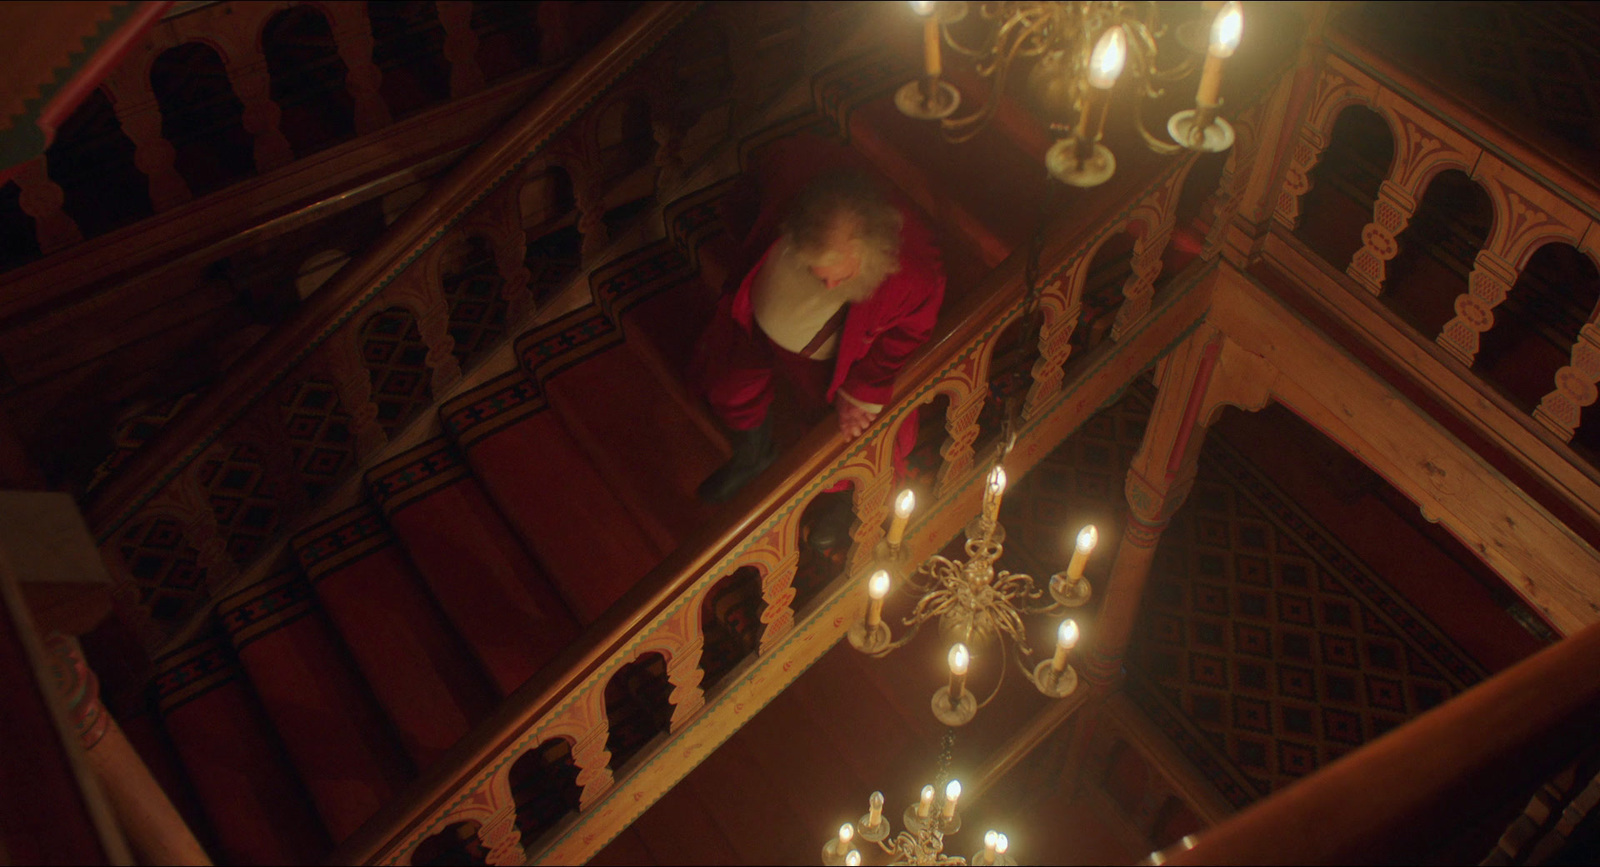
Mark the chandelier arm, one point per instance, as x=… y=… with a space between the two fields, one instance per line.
x=961 y=129
x=1000 y=681
x=898 y=643
x=1155 y=144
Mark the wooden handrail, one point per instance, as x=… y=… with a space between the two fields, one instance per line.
x=1394 y=799
x=489 y=165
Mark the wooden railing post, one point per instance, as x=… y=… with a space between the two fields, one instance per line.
x=140 y=116
x=42 y=200
x=154 y=829
x=252 y=83
x=352 y=33
x=460 y=47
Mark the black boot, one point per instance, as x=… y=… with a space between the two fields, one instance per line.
x=753 y=451
x=831 y=519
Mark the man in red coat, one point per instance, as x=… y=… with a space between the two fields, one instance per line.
x=839 y=299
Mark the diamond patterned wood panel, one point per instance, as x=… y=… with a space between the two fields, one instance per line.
x=397 y=360
x=165 y=567
x=319 y=431
x=1265 y=649
x=244 y=499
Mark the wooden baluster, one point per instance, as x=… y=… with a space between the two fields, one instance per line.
x=593 y=761
x=252 y=83
x=961 y=423
x=684 y=673
x=872 y=505
x=42 y=200
x=1139 y=289
x=1561 y=410
x=460 y=47
x=1391 y=213
x=1490 y=281
x=352 y=33
x=140 y=117
x=1055 y=346
x=154 y=829
x=501 y=836
x=1297 y=178
x=777 y=586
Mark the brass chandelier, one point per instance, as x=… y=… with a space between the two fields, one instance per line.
x=1078 y=52
x=974 y=607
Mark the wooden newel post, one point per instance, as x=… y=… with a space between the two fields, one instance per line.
x=154 y=829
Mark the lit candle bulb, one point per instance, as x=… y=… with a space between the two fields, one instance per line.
x=852 y=859
x=1066 y=639
x=903 y=505
x=1226 y=29
x=951 y=793
x=992 y=491
x=877 y=588
x=847 y=832
x=874 y=810
x=930 y=36
x=959 y=660
x=1088 y=537
x=991 y=843
x=925 y=806
x=1001 y=844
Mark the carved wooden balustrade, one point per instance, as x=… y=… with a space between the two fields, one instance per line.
x=1535 y=201
x=663 y=614
x=301 y=413
x=242 y=36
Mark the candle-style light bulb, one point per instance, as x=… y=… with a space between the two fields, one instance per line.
x=877 y=588
x=1226 y=29
x=925 y=806
x=993 y=489
x=903 y=505
x=1107 y=58
x=1066 y=639
x=874 y=810
x=931 y=61
x=991 y=843
x=1088 y=537
x=852 y=859
x=1001 y=844
x=959 y=659
x=952 y=792
x=847 y=832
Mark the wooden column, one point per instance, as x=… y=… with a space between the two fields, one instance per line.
x=460 y=47
x=42 y=200
x=1158 y=481
x=157 y=834
x=352 y=33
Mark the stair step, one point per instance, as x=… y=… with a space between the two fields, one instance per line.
x=543 y=483
x=647 y=448
x=491 y=590
x=257 y=806
x=419 y=670
x=954 y=184
x=334 y=734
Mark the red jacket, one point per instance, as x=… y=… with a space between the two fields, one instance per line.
x=881 y=332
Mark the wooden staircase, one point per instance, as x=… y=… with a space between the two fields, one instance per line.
x=514 y=627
